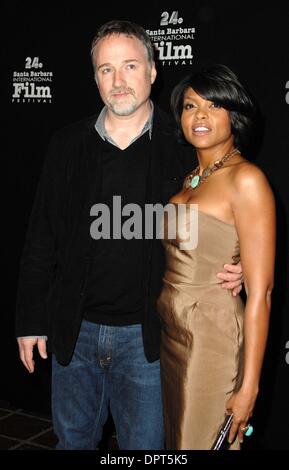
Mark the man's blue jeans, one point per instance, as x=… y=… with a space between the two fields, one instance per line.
x=108 y=369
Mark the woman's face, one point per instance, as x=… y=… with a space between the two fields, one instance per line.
x=205 y=124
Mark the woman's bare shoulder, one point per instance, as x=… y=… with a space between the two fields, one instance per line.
x=247 y=175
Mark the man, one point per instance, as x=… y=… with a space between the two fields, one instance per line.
x=95 y=299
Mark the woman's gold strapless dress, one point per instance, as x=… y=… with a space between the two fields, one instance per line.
x=202 y=335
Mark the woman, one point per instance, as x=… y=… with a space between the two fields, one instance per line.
x=213 y=346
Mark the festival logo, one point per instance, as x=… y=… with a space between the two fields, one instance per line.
x=173 y=40
x=33 y=84
x=287 y=354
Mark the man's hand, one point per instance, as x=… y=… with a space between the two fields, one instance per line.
x=26 y=345
x=232 y=278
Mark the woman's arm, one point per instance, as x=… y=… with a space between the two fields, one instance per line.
x=254 y=212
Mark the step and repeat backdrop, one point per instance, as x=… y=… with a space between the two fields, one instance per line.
x=48 y=83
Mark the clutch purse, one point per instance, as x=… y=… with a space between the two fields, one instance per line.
x=221 y=443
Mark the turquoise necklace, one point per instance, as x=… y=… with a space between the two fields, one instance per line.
x=194 y=179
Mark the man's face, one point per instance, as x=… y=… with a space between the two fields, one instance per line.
x=123 y=73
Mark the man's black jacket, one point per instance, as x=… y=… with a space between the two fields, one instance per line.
x=56 y=254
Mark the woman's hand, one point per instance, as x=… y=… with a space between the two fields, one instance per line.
x=241 y=404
